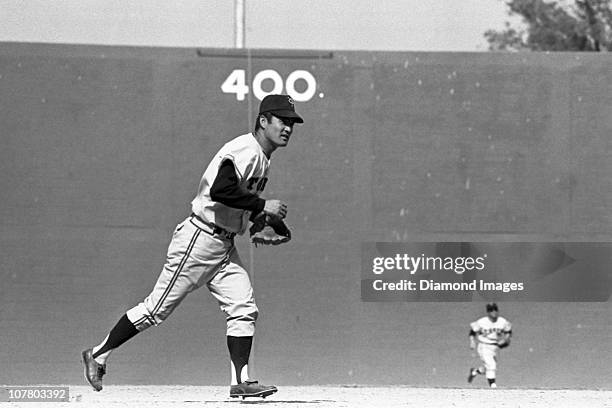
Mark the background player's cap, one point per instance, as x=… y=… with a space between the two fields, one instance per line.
x=491 y=307
x=281 y=106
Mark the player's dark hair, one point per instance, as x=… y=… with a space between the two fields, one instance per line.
x=266 y=115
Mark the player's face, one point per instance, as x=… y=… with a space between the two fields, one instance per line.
x=492 y=315
x=278 y=131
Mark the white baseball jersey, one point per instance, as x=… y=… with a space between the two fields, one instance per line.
x=251 y=165
x=489 y=332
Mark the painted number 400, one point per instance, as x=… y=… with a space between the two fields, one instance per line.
x=236 y=83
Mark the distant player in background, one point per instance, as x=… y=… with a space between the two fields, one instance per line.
x=487 y=335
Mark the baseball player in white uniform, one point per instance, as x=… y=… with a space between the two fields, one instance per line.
x=202 y=251
x=487 y=335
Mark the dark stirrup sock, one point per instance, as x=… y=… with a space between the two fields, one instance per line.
x=122 y=332
x=240 y=350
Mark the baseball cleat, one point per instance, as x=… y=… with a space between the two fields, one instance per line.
x=493 y=385
x=472 y=375
x=93 y=370
x=250 y=388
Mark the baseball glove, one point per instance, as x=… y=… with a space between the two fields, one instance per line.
x=503 y=343
x=268 y=230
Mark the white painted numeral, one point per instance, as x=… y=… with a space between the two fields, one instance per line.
x=236 y=83
x=262 y=76
x=310 y=88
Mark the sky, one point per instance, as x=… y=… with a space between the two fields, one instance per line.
x=389 y=25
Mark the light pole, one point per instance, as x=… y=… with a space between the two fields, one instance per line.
x=239 y=23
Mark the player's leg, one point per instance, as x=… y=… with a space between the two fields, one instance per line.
x=474 y=371
x=123 y=330
x=95 y=359
x=489 y=359
x=240 y=350
x=232 y=289
x=192 y=255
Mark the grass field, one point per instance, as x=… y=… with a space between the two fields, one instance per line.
x=333 y=397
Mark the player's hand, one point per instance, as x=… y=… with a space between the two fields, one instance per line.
x=276 y=208
x=472 y=344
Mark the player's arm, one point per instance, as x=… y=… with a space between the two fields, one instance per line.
x=507 y=332
x=472 y=336
x=474 y=330
x=226 y=190
x=504 y=339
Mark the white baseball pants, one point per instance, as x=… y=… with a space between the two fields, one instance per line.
x=488 y=355
x=195 y=258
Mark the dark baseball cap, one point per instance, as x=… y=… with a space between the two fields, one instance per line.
x=281 y=106
x=491 y=307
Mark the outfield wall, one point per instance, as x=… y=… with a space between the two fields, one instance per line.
x=103 y=148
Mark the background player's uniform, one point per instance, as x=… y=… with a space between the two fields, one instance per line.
x=488 y=334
